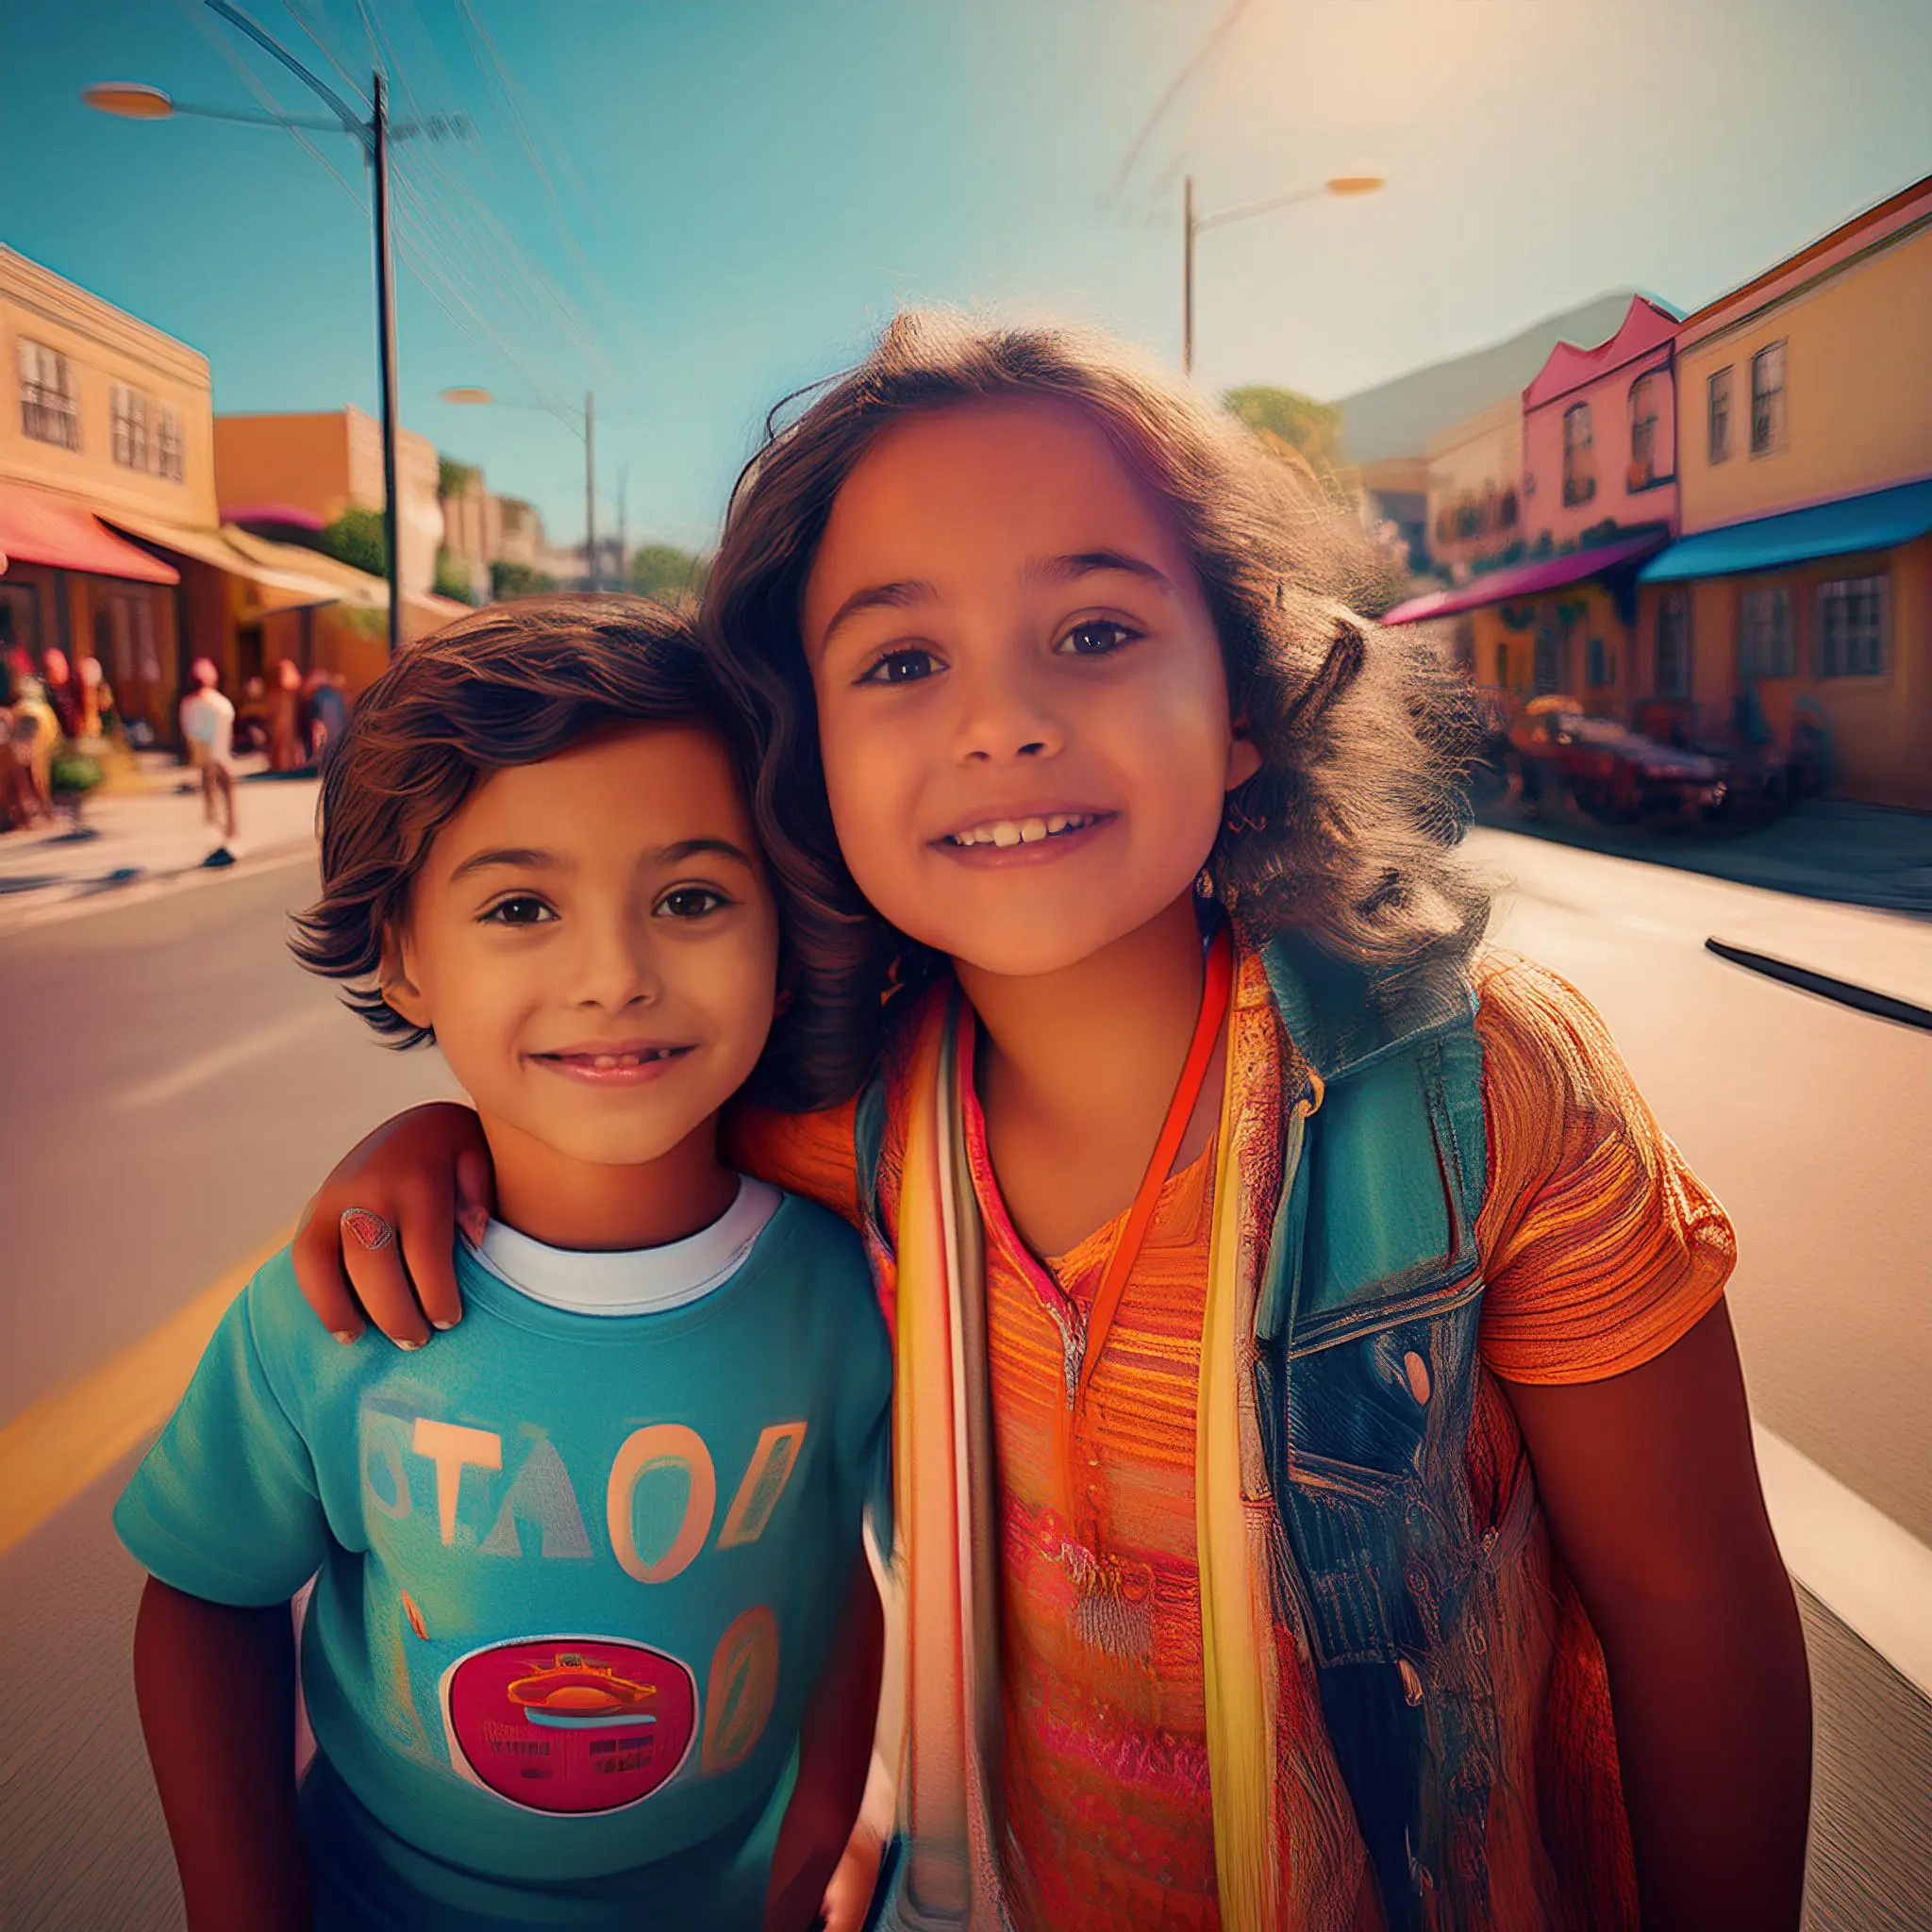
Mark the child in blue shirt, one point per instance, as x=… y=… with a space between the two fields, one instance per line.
x=593 y=1640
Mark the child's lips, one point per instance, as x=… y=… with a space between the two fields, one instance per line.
x=614 y=1066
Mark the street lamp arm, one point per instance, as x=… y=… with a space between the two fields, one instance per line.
x=1221 y=219
x=256 y=119
x=352 y=122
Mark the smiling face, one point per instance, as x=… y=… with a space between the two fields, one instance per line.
x=1023 y=706
x=593 y=941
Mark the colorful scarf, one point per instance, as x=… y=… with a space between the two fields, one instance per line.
x=949 y=1798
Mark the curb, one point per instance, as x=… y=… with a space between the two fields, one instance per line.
x=1710 y=860
x=1880 y=1005
x=43 y=903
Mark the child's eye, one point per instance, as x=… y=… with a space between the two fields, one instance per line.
x=692 y=902
x=906 y=665
x=520 y=908
x=1096 y=637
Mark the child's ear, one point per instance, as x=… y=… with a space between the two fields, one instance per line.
x=1244 y=761
x=400 y=992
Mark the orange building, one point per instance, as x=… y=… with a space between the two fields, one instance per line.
x=330 y=461
x=1801 y=593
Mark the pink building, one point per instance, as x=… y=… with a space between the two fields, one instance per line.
x=1600 y=435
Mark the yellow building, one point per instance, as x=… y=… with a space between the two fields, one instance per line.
x=107 y=437
x=1802 y=589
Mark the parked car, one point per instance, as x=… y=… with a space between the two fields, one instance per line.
x=1609 y=772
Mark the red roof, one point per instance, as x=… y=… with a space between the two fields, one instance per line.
x=37 y=526
x=1647 y=327
x=1527 y=579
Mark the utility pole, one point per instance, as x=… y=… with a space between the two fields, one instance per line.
x=1187 y=277
x=623 y=524
x=386 y=350
x=590 y=491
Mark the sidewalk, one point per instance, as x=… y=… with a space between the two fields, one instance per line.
x=151 y=833
x=1823 y=848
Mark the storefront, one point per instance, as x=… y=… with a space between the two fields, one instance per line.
x=71 y=585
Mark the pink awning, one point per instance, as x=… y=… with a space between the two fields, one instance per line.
x=37 y=526
x=1527 y=579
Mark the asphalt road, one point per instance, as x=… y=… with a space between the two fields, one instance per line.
x=175 y=1086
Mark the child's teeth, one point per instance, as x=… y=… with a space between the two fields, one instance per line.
x=1057 y=823
x=1005 y=833
x=1032 y=830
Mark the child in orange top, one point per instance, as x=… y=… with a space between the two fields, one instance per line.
x=1232 y=1599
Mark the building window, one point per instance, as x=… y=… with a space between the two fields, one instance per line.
x=1502 y=665
x=147 y=434
x=1768 y=400
x=1579 y=471
x=49 y=408
x=1851 y=628
x=1718 y=416
x=1767 y=640
x=1505 y=510
x=1674 y=644
x=1600 y=671
x=1643 y=415
x=168 y=461
x=129 y=417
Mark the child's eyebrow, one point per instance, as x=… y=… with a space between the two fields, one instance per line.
x=525 y=857
x=1085 y=563
x=899 y=596
x=698 y=848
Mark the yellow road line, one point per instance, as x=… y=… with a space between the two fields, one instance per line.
x=53 y=1451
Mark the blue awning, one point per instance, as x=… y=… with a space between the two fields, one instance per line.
x=1875 y=521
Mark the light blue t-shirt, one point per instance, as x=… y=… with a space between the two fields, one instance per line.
x=577 y=1573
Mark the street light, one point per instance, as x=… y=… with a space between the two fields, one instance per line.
x=1193 y=225
x=134 y=100
x=468 y=394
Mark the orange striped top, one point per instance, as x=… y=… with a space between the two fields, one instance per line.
x=1600 y=1249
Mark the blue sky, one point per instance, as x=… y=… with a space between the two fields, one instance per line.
x=692 y=205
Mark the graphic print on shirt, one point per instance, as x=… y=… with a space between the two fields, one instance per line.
x=571 y=1724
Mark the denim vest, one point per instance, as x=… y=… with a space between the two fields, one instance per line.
x=1366 y=1386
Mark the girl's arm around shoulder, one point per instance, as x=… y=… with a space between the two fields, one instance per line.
x=809 y=1153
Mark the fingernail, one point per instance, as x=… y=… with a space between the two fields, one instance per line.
x=400 y=1344
x=346 y=1336
x=451 y=1324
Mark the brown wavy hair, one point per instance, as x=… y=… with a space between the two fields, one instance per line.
x=1347 y=833
x=513 y=685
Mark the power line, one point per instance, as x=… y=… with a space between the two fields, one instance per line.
x=1175 y=89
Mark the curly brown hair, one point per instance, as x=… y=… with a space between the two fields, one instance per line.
x=513 y=685
x=1348 y=829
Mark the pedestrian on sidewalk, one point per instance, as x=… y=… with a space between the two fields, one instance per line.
x=285 y=748
x=208 y=732
x=36 y=735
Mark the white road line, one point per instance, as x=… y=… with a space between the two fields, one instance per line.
x=234 y=1053
x=1875 y=1577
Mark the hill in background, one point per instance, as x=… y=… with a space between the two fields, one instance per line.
x=1396 y=419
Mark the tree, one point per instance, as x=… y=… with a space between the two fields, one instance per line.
x=666 y=573
x=1312 y=427
x=452 y=478
x=518 y=580
x=357 y=538
x=452 y=580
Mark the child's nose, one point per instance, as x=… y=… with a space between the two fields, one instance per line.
x=1002 y=719
x=615 y=965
